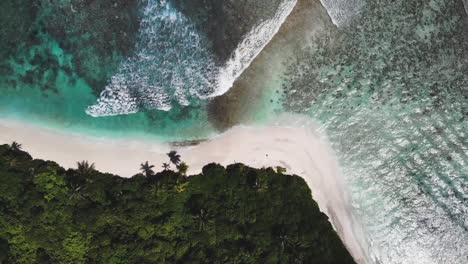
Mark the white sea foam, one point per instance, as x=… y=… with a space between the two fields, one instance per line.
x=251 y=46
x=173 y=63
x=342 y=11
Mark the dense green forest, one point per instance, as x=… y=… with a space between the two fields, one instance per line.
x=223 y=215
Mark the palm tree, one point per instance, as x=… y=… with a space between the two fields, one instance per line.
x=183 y=167
x=165 y=166
x=174 y=157
x=147 y=169
x=15 y=146
x=84 y=168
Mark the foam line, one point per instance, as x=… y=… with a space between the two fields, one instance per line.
x=254 y=42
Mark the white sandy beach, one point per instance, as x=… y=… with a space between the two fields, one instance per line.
x=290 y=142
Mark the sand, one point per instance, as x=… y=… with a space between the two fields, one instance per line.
x=293 y=142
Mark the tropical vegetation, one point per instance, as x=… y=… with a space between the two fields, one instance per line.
x=232 y=214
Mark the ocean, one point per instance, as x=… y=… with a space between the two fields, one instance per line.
x=391 y=90
x=386 y=80
x=102 y=75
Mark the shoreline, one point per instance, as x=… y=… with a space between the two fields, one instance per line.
x=291 y=141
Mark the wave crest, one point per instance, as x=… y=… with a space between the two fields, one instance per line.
x=173 y=62
x=342 y=11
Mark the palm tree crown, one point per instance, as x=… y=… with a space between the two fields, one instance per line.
x=147 y=169
x=183 y=167
x=84 y=168
x=15 y=146
x=174 y=157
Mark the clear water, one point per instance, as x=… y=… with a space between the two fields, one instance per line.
x=58 y=97
x=73 y=70
x=389 y=87
x=41 y=83
x=172 y=61
x=391 y=90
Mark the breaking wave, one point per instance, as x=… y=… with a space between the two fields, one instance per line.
x=342 y=11
x=251 y=46
x=173 y=62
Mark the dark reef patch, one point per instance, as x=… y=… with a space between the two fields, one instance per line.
x=16 y=20
x=98 y=33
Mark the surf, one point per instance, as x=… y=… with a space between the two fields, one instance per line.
x=173 y=63
x=254 y=42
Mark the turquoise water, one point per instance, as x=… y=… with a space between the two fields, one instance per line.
x=389 y=88
x=172 y=64
x=391 y=91
x=42 y=82
x=57 y=96
x=123 y=68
